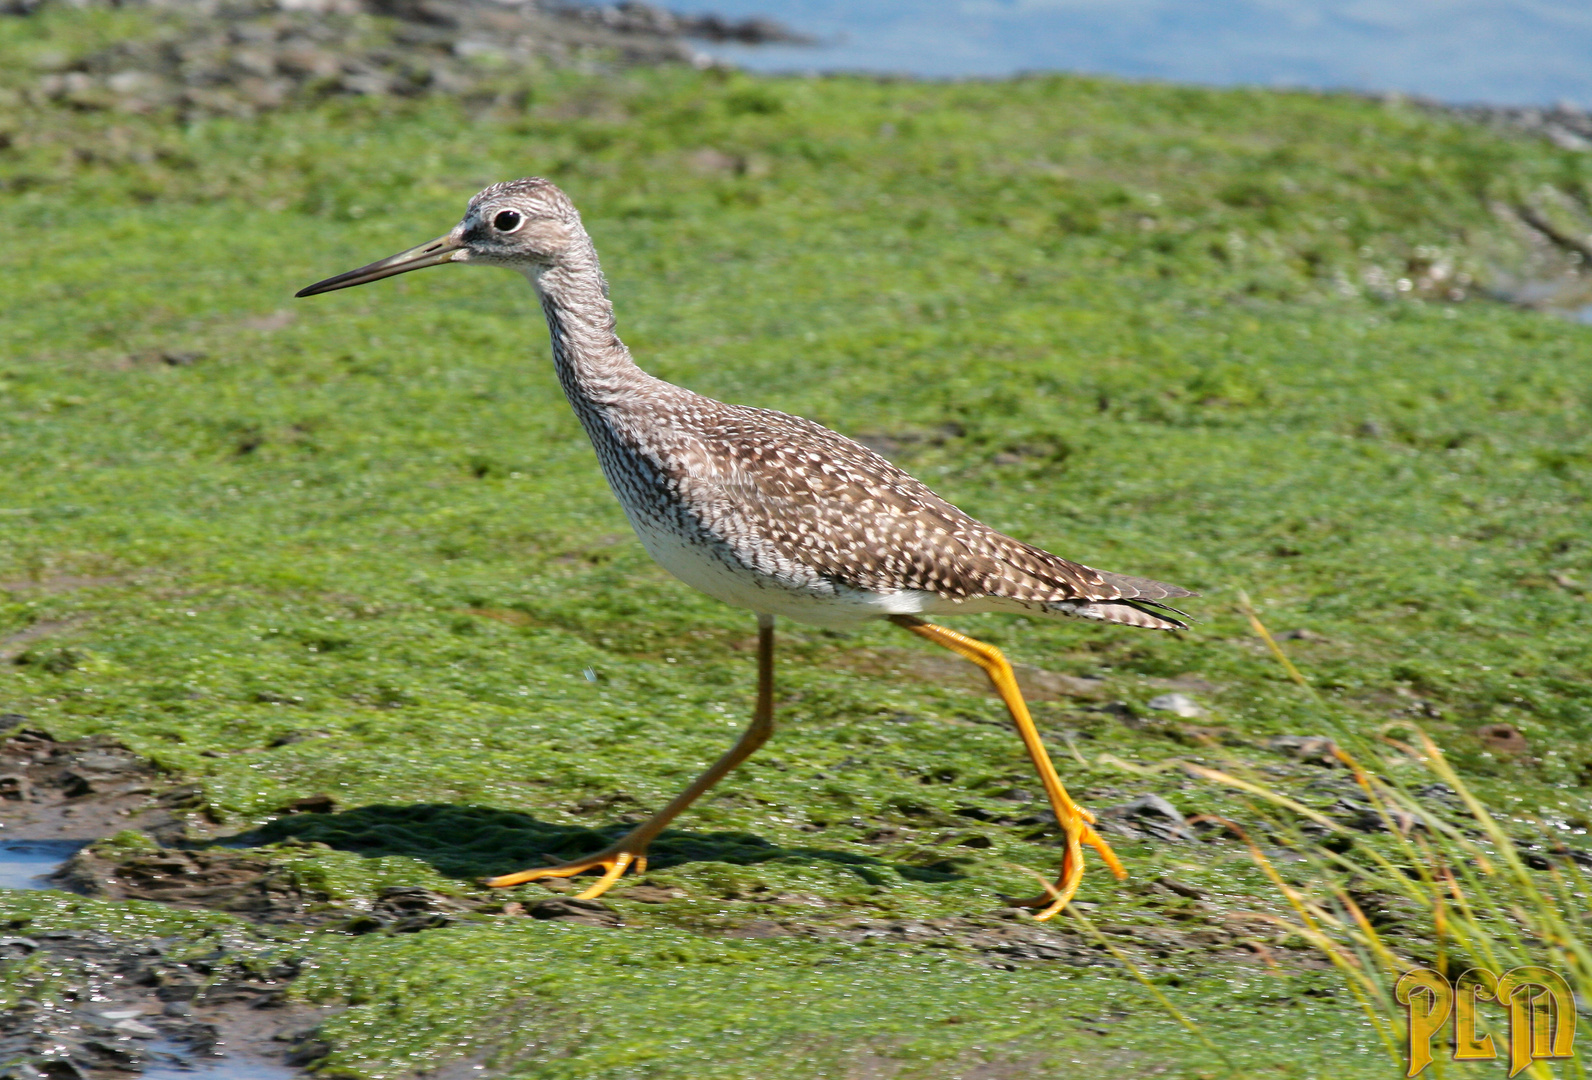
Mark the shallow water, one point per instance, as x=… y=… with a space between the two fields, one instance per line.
x=1497 y=51
x=24 y=864
x=175 y=1062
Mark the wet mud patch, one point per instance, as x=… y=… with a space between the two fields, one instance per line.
x=214 y=879
x=95 y=1005
x=92 y=1004
x=82 y=789
x=278 y=887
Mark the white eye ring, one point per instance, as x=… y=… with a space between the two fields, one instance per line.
x=507 y=221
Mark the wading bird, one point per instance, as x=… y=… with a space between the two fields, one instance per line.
x=772 y=512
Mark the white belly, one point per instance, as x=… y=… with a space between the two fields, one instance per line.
x=823 y=604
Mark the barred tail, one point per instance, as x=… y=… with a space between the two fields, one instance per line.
x=1137 y=601
x=1145 y=613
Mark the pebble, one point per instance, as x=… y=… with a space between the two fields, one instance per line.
x=1178 y=705
x=1317 y=749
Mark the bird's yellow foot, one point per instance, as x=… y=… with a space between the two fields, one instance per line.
x=614 y=861
x=1079 y=831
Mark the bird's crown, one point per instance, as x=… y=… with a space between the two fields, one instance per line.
x=540 y=197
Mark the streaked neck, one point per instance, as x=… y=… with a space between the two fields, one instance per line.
x=593 y=364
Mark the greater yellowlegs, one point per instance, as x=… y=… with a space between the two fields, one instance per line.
x=772 y=512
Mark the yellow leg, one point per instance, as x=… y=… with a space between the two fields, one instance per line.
x=1074 y=820
x=631 y=849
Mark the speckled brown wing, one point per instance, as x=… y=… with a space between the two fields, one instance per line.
x=836 y=507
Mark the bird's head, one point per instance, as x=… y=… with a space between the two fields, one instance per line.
x=528 y=225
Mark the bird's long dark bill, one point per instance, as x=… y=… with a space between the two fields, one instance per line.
x=443 y=249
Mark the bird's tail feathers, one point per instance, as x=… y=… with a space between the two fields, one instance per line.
x=1145 y=613
x=1139 y=588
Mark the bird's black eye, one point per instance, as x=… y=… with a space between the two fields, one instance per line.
x=507 y=221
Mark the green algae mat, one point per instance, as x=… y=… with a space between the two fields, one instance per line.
x=352 y=557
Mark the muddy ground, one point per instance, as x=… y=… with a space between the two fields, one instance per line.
x=125 y=999
x=134 y=1002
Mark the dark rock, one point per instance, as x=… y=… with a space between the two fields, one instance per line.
x=568 y=907
x=1313 y=749
x=311 y=804
x=225 y=990
x=113 y=1055
x=364 y=924
x=187 y=797
x=412 y=908
x=1125 y=713
x=753 y=31
x=1361 y=815
x=413 y=925
x=1181 y=889
x=1578 y=856
x=177 y=990
x=74 y=785
x=308 y=1052
x=1147 y=815
x=1503 y=739
x=61 y=1069
x=291 y=737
